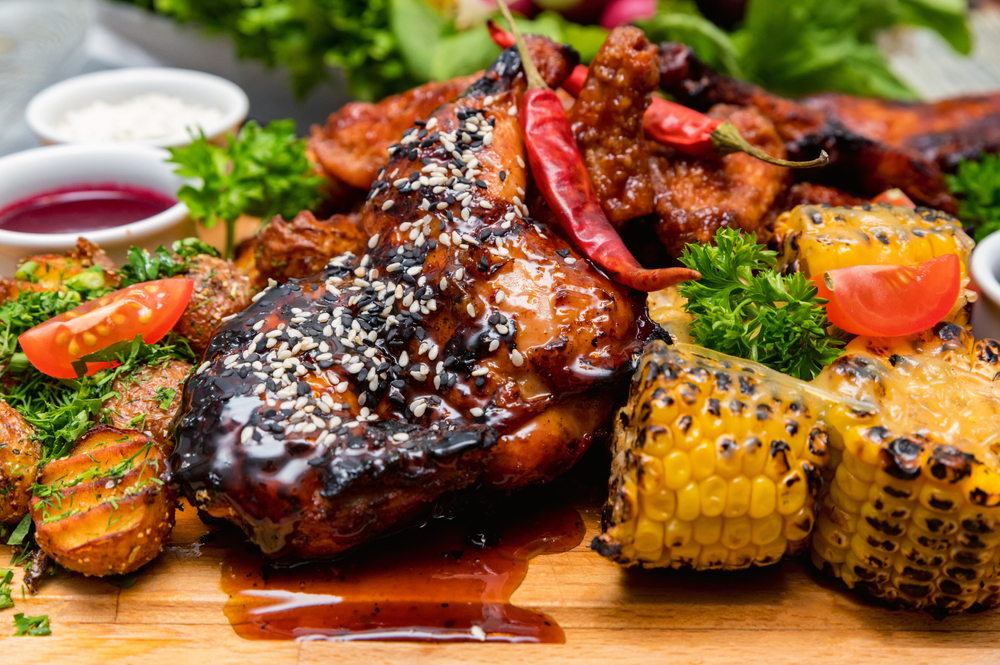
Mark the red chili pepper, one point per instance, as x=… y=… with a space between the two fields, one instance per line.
x=896 y=197
x=561 y=176
x=677 y=126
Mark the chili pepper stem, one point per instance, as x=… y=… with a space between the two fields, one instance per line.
x=535 y=79
x=726 y=139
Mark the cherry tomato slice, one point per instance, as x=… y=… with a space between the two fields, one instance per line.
x=891 y=301
x=149 y=309
x=896 y=197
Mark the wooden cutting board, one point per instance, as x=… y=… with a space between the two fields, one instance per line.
x=782 y=614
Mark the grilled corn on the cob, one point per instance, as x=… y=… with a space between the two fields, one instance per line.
x=911 y=514
x=716 y=464
x=813 y=239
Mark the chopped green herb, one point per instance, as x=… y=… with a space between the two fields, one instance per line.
x=262 y=172
x=6 y=577
x=743 y=307
x=165 y=396
x=34 y=626
x=17 y=536
x=976 y=184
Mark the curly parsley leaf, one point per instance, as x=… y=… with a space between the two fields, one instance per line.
x=33 y=626
x=976 y=184
x=261 y=172
x=743 y=307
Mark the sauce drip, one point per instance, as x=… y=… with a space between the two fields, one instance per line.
x=83 y=208
x=426 y=584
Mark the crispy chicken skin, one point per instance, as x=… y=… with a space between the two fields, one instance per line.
x=19 y=456
x=303 y=247
x=857 y=162
x=945 y=132
x=140 y=396
x=696 y=197
x=351 y=147
x=463 y=349
x=607 y=123
x=220 y=290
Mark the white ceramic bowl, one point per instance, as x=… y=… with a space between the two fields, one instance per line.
x=24 y=174
x=47 y=108
x=985 y=268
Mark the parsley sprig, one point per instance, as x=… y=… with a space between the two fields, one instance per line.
x=262 y=172
x=743 y=307
x=144 y=266
x=976 y=184
x=33 y=626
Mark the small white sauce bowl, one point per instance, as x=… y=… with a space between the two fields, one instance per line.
x=25 y=174
x=985 y=268
x=47 y=109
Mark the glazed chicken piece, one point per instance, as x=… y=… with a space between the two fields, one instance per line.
x=857 y=162
x=469 y=347
x=303 y=247
x=351 y=148
x=607 y=123
x=945 y=132
x=695 y=197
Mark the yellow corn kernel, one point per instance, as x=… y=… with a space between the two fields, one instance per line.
x=703 y=460
x=937 y=499
x=766 y=529
x=678 y=534
x=648 y=535
x=662 y=411
x=736 y=532
x=713 y=496
x=742 y=557
x=858 y=469
x=659 y=505
x=686 y=432
x=650 y=473
x=793 y=490
x=651 y=556
x=762 y=497
x=686 y=554
x=850 y=485
x=771 y=552
x=799 y=525
x=728 y=460
x=676 y=470
x=738 y=497
x=840 y=499
x=708 y=530
x=658 y=441
x=713 y=557
x=688 y=502
x=754 y=457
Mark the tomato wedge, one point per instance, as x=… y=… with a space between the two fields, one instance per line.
x=891 y=301
x=149 y=309
x=896 y=197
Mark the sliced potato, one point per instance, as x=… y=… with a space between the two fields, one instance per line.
x=220 y=290
x=148 y=399
x=107 y=508
x=19 y=456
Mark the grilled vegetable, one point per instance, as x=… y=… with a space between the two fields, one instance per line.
x=19 y=455
x=815 y=239
x=106 y=508
x=716 y=464
x=911 y=515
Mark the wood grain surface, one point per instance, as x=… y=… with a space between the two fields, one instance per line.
x=782 y=614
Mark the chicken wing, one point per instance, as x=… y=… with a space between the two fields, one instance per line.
x=607 y=123
x=944 y=132
x=857 y=162
x=351 y=148
x=695 y=197
x=470 y=345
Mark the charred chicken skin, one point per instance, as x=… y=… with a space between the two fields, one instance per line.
x=470 y=346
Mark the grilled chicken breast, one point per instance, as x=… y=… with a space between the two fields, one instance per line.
x=470 y=346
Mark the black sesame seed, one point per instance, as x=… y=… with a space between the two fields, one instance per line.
x=503 y=176
x=413 y=155
x=481 y=184
x=303 y=388
x=480 y=381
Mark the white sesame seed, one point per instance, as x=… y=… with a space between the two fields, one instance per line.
x=205 y=365
x=494 y=345
x=460 y=273
x=373 y=243
x=470 y=309
x=502 y=329
x=415 y=270
x=482 y=371
x=570 y=260
x=419 y=410
x=500 y=297
x=388 y=204
x=259 y=325
x=400 y=436
x=516 y=358
x=246 y=434
x=404 y=359
x=476 y=412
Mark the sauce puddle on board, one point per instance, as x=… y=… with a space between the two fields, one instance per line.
x=426 y=584
x=83 y=208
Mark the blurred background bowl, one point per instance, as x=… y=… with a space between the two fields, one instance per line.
x=985 y=268
x=32 y=172
x=49 y=107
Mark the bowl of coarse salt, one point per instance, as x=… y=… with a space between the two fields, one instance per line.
x=157 y=106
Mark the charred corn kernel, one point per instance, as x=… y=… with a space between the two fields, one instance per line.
x=911 y=512
x=722 y=454
x=815 y=239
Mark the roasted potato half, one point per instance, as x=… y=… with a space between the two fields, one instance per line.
x=148 y=399
x=19 y=456
x=220 y=290
x=107 y=508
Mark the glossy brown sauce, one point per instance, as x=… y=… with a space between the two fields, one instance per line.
x=432 y=583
